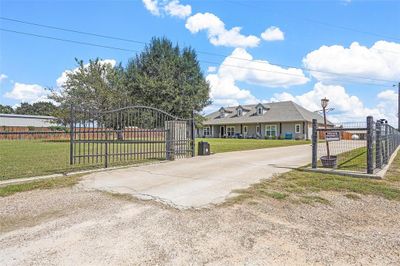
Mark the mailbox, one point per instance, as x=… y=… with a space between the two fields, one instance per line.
x=204 y=148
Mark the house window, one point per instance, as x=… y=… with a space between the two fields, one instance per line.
x=297 y=128
x=270 y=130
x=206 y=131
x=239 y=112
x=230 y=131
x=259 y=111
x=245 y=130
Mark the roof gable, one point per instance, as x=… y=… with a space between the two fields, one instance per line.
x=286 y=111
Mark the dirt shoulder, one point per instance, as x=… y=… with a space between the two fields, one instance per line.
x=66 y=225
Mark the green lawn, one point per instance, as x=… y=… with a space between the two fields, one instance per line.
x=303 y=187
x=225 y=145
x=353 y=160
x=26 y=158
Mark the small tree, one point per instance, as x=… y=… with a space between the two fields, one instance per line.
x=6 y=109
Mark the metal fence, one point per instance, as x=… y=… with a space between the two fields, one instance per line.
x=364 y=147
x=124 y=136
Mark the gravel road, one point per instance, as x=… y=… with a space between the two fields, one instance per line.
x=70 y=226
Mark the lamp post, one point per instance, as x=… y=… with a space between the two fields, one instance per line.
x=324 y=104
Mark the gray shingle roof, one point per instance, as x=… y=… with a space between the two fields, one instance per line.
x=287 y=111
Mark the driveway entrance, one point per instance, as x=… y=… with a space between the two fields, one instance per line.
x=200 y=181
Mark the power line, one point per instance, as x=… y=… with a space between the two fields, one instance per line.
x=325 y=23
x=198 y=51
x=70 y=41
x=71 y=30
x=204 y=61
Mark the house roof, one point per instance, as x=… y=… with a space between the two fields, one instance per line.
x=287 y=111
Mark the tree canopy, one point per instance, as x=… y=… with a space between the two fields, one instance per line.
x=161 y=76
x=6 y=109
x=39 y=108
x=166 y=77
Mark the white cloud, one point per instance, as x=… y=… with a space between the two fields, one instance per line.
x=63 y=78
x=3 y=77
x=388 y=105
x=211 y=69
x=225 y=91
x=348 y=107
x=175 y=9
x=152 y=6
x=380 y=61
x=273 y=34
x=172 y=8
x=218 y=35
x=241 y=66
x=27 y=93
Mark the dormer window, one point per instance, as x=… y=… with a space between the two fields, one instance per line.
x=223 y=112
x=261 y=109
x=239 y=112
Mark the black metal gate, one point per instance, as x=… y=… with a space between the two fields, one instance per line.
x=134 y=133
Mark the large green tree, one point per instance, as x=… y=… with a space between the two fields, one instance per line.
x=6 y=109
x=167 y=77
x=162 y=76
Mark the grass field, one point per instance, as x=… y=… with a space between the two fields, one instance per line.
x=303 y=187
x=26 y=158
x=353 y=160
x=227 y=145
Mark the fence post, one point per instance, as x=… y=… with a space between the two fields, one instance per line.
x=370 y=145
x=314 y=143
x=378 y=151
x=386 y=148
x=71 y=135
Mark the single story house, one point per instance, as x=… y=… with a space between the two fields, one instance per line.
x=14 y=120
x=264 y=120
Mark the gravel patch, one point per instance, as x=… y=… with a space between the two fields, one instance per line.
x=70 y=226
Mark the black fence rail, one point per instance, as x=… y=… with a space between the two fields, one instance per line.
x=364 y=147
x=128 y=134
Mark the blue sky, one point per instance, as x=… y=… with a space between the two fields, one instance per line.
x=353 y=38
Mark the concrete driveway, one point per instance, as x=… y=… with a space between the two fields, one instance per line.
x=200 y=181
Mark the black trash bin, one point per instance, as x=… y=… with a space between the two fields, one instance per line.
x=204 y=148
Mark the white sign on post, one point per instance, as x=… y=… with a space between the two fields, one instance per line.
x=332 y=136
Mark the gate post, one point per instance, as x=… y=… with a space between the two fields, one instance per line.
x=106 y=149
x=193 y=135
x=314 y=143
x=71 y=135
x=370 y=144
x=168 y=144
x=378 y=151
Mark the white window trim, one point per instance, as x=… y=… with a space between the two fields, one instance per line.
x=258 y=111
x=208 y=131
x=270 y=130
x=239 y=112
x=295 y=128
